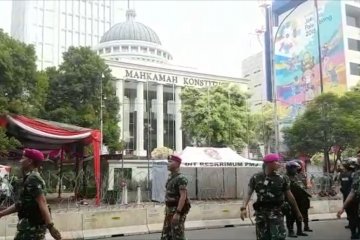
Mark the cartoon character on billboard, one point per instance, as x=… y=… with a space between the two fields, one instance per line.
x=308 y=61
x=331 y=72
x=287 y=38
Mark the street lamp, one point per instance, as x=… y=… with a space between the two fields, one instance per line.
x=267 y=5
x=101 y=113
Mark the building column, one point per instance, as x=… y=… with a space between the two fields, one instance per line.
x=111 y=178
x=120 y=95
x=139 y=105
x=178 y=117
x=159 y=115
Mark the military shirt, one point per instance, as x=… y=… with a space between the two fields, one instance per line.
x=356 y=182
x=270 y=188
x=33 y=187
x=174 y=184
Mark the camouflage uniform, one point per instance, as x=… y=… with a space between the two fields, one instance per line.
x=303 y=199
x=175 y=183
x=356 y=188
x=31 y=224
x=301 y=196
x=268 y=208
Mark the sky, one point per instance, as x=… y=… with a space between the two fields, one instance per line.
x=211 y=36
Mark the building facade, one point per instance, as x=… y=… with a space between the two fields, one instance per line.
x=149 y=86
x=53 y=26
x=315 y=48
x=253 y=69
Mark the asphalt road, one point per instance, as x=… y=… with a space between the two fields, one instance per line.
x=329 y=230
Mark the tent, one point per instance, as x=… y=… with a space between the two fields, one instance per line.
x=215 y=157
x=48 y=135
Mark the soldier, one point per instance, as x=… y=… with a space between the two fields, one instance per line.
x=271 y=189
x=177 y=202
x=33 y=211
x=303 y=200
x=301 y=196
x=346 y=180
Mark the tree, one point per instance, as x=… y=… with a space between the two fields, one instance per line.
x=22 y=88
x=329 y=122
x=74 y=95
x=263 y=127
x=216 y=116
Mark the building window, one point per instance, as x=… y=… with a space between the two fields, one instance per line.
x=108 y=50
x=116 y=49
x=152 y=51
x=246 y=75
x=124 y=48
x=134 y=49
x=354 y=44
x=143 y=49
x=355 y=69
x=353 y=16
x=158 y=53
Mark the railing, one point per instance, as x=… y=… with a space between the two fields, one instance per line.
x=203 y=185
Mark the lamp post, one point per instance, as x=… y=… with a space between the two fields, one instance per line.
x=101 y=113
x=267 y=5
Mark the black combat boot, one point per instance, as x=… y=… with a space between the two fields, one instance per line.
x=299 y=229
x=306 y=227
x=292 y=234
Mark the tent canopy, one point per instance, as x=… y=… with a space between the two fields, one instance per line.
x=48 y=135
x=215 y=157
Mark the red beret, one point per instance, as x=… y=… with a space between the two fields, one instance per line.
x=34 y=154
x=175 y=158
x=272 y=157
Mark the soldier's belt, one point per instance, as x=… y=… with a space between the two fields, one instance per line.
x=171 y=204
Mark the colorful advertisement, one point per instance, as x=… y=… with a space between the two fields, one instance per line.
x=296 y=57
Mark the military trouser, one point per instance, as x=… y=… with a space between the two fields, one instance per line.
x=27 y=231
x=270 y=224
x=290 y=220
x=304 y=206
x=173 y=231
x=353 y=217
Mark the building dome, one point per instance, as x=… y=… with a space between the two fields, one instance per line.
x=130 y=30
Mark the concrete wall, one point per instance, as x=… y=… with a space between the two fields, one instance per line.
x=99 y=223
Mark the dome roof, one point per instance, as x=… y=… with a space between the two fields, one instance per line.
x=130 y=30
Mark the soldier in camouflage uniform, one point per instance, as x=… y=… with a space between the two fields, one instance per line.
x=301 y=197
x=33 y=211
x=346 y=179
x=352 y=198
x=177 y=202
x=271 y=189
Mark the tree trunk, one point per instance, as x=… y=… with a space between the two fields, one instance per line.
x=326 y=161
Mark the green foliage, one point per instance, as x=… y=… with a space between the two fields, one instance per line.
x=216 y=116
x=7 y=143
x=263 y=127
x=74 y=95
x=328 y=121
x=22 y=88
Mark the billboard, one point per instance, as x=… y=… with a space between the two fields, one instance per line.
x=296 y=57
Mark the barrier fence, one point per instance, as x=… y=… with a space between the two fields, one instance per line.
x=203 y=185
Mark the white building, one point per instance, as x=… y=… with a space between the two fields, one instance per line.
x=53 y=26
x=351 y=26
x=253 y=68
x=149 y=86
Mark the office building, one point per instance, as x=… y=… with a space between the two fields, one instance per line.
x=253 y=69
x=316 y=48
x=53 y=26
